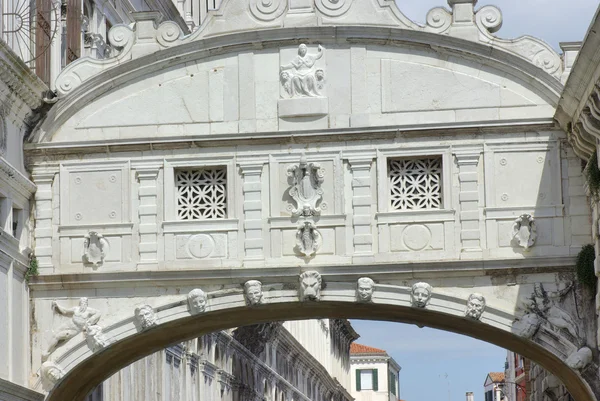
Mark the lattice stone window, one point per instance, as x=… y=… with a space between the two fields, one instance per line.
x=201 y=193
x=415 y=183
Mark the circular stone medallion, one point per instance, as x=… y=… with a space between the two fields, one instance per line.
x=416 y=238
x=201 y=246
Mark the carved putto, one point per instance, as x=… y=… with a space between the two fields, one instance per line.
x=253 y=292
x=81 y=316
x=580 y=359
x=310 y=286
x=308 y=239
x=300 y=77
x=306 y=179
x=196 y=301
x=50 y=374
x=420 y=295
x=95 y=248
x=475 y=306
x=95 y=338
x=364 y=289
x=524 y=231
x=145 y=316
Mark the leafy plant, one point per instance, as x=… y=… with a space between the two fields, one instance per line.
x=592 y=176
x=585 y=267
x=32 y=269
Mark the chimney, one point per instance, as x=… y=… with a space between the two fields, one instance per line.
x=470 y=396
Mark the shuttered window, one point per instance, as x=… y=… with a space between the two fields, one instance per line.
x=43 y=37
x=366 y=379
x=392 y=383
x=73 y=30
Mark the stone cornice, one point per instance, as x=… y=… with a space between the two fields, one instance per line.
x=457 y=268
x=101 y=148
x=11 y=389
x=579 y=90
x=19 y=78
x=13 y=178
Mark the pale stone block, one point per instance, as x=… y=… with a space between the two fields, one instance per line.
x=304 y=106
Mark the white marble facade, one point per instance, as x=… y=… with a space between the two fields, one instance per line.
x=370 y=140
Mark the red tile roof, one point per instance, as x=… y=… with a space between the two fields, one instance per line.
x=497 y=377
x=365 y=349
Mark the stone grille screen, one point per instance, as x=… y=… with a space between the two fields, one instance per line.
x=201 y=193
x=415 y=183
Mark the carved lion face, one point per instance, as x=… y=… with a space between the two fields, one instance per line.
x=310 y=285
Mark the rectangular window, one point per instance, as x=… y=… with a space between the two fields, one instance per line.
x=201 y=193
x=366 y=380
x=415 y=183
x=17 y=222
x=392 y=383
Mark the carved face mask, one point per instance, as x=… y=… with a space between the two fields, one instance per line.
x=311 y=289
x=254 y=295
x=365 y=291
x=420 y=297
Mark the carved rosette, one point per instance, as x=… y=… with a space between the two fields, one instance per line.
x=306 y=179
x=95 y=248
x=333 y=8
x=267 y=10
x=308 y=239
x=524 y=231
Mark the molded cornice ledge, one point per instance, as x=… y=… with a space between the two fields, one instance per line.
x=19 y=78
x=579 y=106
x=10 y=391
x=13 y=178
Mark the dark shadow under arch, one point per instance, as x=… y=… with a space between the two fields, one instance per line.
x=92 y=371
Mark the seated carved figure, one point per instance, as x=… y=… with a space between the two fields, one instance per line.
x=300 y=78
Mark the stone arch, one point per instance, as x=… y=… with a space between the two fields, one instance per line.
x=84 y=369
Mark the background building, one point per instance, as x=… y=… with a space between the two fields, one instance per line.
x=375 y=375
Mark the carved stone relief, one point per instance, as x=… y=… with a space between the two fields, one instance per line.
x=420 y=295
x=145 y=316
x=310 y=286
x=50 y=374
x=544 y=305
x=256 y=336
x=95 y=338
x=81 y=316
x=527 y=325
x=364 y=289
x=196 y=301
x=300 y=77
x=253 y=292
x=524 y=231
x=308 y=239
x=95 y=248
x=580 y=359
x=475 y=306
x=305 y=180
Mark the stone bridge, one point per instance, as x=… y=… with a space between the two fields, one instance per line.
x=303 y=160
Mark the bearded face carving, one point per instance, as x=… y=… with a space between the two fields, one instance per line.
x=475 y=306
x=310 y=286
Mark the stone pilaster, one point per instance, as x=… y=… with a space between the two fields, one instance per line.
x=43 y=220
x=147 y=212
x=253 y=205
x=362 y=205
x=470 y=230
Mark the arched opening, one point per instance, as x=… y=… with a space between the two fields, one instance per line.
x=92 y=371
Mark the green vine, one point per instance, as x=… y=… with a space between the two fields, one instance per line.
x=32 y=269
x=585 y=267
x=592 y=176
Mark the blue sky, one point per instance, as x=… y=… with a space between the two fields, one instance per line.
x=552 y=20
x=427 y=356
